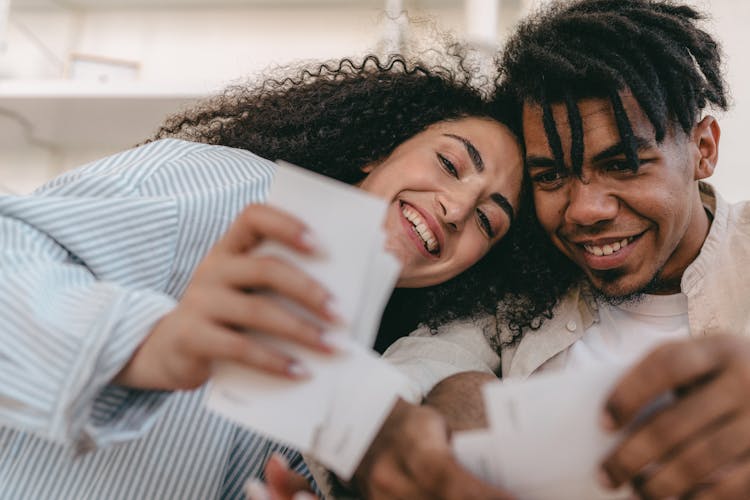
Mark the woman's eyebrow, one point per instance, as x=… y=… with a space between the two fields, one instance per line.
x=473 y=152
x=503 y=203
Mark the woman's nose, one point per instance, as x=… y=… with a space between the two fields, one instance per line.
x=455 y=209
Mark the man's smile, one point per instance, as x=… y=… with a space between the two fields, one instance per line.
x=607 y=247
x=606 y=253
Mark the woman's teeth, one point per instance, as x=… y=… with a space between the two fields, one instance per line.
x=420 y=227
x=608 y=249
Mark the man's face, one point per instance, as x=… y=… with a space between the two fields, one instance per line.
x=629 y=231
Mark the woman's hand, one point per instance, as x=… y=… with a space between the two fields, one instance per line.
x=282 y=483
x=226 y=297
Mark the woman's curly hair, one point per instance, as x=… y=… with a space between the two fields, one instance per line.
x=338 y=117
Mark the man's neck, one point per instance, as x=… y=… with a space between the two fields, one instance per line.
x=670 y=277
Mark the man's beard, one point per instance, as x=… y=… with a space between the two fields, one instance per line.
x=655 y=286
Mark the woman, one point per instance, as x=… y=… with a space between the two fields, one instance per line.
x=136 y=270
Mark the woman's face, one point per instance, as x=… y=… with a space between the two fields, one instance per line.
x=453 y=191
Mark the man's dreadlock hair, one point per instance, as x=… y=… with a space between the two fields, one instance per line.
x=599 y=48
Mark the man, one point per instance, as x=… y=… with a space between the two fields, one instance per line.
x=613 y=98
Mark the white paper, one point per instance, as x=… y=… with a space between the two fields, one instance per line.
x=381 y=279
x=334 y=415
x=474 y=450
x=360 y=404
x=346 y=221
x=545 y=441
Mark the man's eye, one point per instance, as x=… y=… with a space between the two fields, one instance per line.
x=621 y=166
x=549 y=178
x=448 y=165
x=484 y=221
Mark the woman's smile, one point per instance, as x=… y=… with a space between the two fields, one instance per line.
x=422 y=230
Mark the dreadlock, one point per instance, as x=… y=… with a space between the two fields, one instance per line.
x=599 y=48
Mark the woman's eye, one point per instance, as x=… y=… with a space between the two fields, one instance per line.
x=448 y=165
x=484 y=221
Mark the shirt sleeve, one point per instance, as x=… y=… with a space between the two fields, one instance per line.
x=82 y=272
x=426 y=358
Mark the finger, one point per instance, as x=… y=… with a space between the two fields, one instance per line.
x=433 y=467
x=217 y=343
x=670 y=428
x=389 y=479
x=716 y=448
x=668 y=367
x=258 y=222
x=453 y=481
x=304 y=495
x=256 y=490
x=266 y=315
x=408 y=430
x=282 y=482
x=274 y=274
x=735 y=483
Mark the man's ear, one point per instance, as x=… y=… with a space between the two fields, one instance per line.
x=706 y=135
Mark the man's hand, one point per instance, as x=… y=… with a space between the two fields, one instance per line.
x=228 y=295
x=699 y=445
x=412 y=458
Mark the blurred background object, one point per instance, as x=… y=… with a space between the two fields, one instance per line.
x=80 y=79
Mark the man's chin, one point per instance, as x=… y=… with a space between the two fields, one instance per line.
x=614 y=287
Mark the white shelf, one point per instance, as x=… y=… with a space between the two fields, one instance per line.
x=109 y=4
x=16 y=89
x=86 y=114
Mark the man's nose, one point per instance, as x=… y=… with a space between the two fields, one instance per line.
x=590 y=203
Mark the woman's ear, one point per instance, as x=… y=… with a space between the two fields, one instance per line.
x=706 y=135
x=369 y=168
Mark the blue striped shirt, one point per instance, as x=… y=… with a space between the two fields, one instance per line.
x=88 y=264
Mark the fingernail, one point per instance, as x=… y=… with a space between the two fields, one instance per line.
x=606 y=421
x=605 y=480
x=255 y=490
x=280 y=459
x=303 y=495
x=310 y=241
x=298 y=370
x=330 y=340
x=333 y=308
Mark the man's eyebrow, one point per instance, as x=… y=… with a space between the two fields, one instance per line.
x=614 y=150
x=473 y=152
x=503 y=203
x=540 y=161
x=618 y=149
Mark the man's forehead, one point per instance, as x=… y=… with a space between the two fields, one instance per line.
x=593 y=112
x=597 y=117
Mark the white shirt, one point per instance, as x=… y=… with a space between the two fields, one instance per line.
x=626 y=332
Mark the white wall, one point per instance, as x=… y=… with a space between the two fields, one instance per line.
x=729 y=23
x=195 y=50
x=202 y=48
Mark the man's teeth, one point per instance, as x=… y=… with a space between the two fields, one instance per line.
x=608 y=249
x=420 y=227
